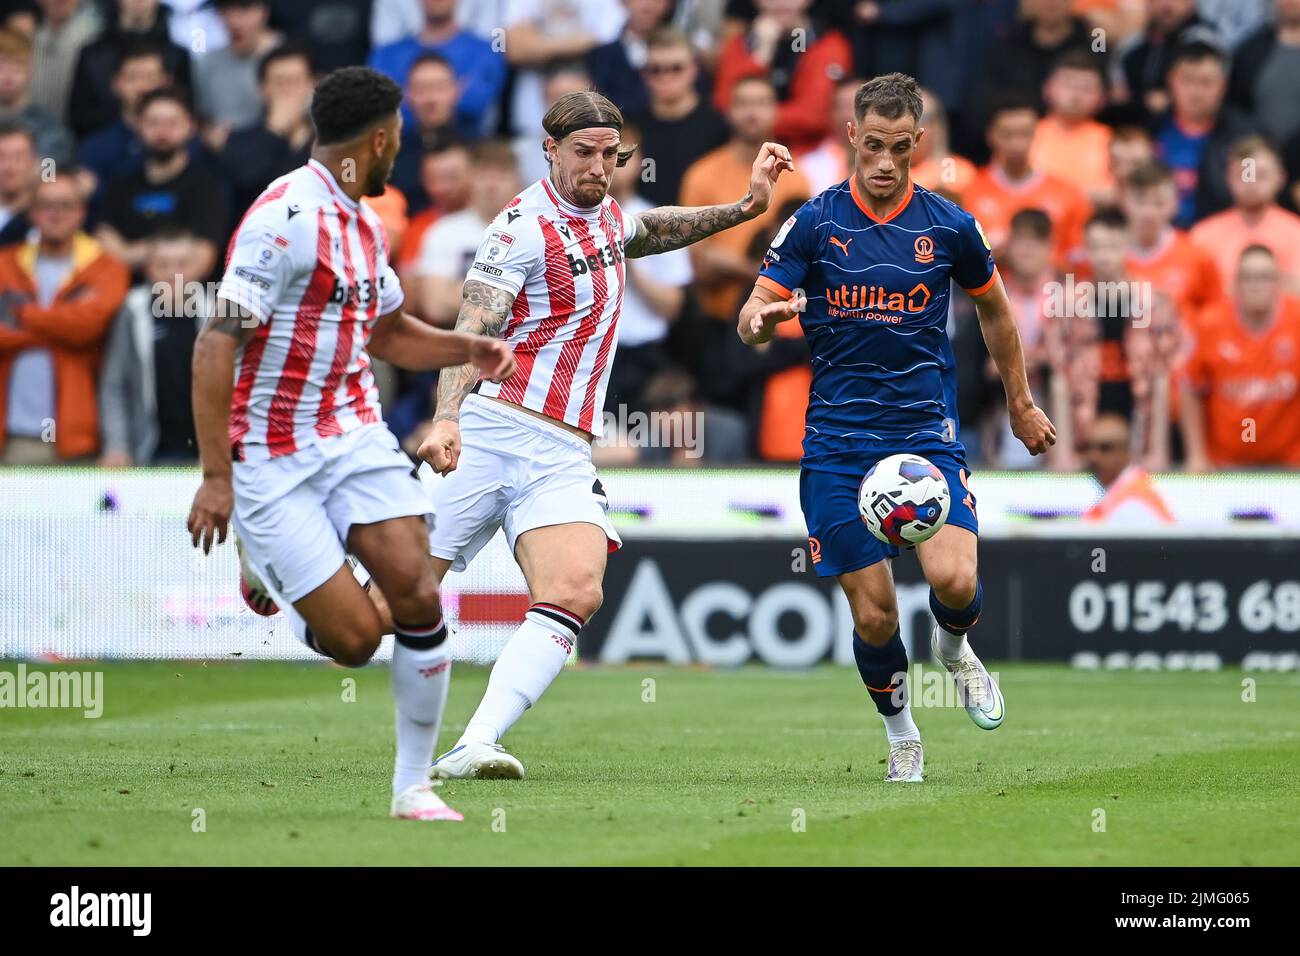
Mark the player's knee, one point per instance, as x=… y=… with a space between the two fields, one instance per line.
x=875 y=624
x=580 y=594
x=352 y=645
x=955 y=583
x=415 y=599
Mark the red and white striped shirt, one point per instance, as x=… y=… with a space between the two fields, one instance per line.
x=564 y=265
x=312 y=265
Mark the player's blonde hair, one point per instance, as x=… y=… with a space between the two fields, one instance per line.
x=583 y=109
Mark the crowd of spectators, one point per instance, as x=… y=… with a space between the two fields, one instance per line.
x=1134 y=163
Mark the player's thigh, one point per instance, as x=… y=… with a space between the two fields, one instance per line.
x=469 y=504
x=396 y=553
x=342 y=619
x=838 y=539
x=564 y=564
x=281 y=519
x=950 y=562
x=872 y=601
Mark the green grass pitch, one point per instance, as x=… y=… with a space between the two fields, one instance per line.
x=721 y=768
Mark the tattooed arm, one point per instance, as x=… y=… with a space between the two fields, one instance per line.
x=483 y=311
x=671 y=227
x=226 y=330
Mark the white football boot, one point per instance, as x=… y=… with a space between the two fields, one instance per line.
x=906 y=762
x=419 y=802
x=475 y=760
x=976 y=688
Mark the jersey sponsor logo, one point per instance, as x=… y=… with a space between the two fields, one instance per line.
x=843 y=244
x=602 y=258
x=877 y=297
x=785 y=230
x=924 y=248
x=483 y=267
x=363 y=293
x=248 y=275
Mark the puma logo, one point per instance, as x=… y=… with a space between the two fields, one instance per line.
x=844 y=246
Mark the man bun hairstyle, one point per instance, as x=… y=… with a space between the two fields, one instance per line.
x=349 y=101
x=890 y=95
x=583 y=110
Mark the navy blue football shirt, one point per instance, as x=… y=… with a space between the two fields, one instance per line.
x=884 y=380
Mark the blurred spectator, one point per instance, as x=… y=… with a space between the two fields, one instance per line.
x=21 y=15
x=831 y=161
x=144 y=390
x=19 y=171
x=1264 y=74
x=226 y=80
x=1129 y=496
x=561 y=78
x=1122 y=20
x=916 y=37
x=1241 y=406
x=722 y=268
x=116 y=148
x=617 y=68
x=447 y=249
x=52 y=139
x=541 y=34
x=336 y=31
x=66 y=26
x=60 y=290
x=1144 y=65
x=170 y=189
x=196 y=26
x=1019 y=64
x=393 y=20
x=1027 y=272
x=799 y=57
x=445 y=175
x=653 y=297
x=1113 y=343
x=480 y=69
x=1009 y=183
x=1130 y=147
x=678 y=126
x=1253 y=176
x=1234 y=20
x=934 y=164
x=281 y=142
x=431 y=100
x=1069 y=143
x=680 y=429
x=92 y=86
x=1161 y=254
x=1197 y=131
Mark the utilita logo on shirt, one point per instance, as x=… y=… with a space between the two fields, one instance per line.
x=876 y=302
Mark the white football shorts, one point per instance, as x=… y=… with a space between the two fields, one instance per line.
x=293 y=513
x=516 y=472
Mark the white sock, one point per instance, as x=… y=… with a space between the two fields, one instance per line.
x=900 y=726
x=420 y=680
x=951 y=646
x=533 y=657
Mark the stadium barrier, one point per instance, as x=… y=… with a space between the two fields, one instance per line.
x=715 y=569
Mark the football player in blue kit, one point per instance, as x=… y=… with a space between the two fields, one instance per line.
x=866 y=267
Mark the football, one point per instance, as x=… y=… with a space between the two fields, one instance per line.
x=904 y=500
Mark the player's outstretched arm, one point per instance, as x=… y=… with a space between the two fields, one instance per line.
x=998 y=326
x=408 y=343
x=763 y=311
x=671 y=227
x=210 y=392
x=483 y=311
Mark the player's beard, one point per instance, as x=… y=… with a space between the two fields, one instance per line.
x=378 y=179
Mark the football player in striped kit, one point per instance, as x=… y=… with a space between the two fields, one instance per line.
x=293 y=447
x=548 y=280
